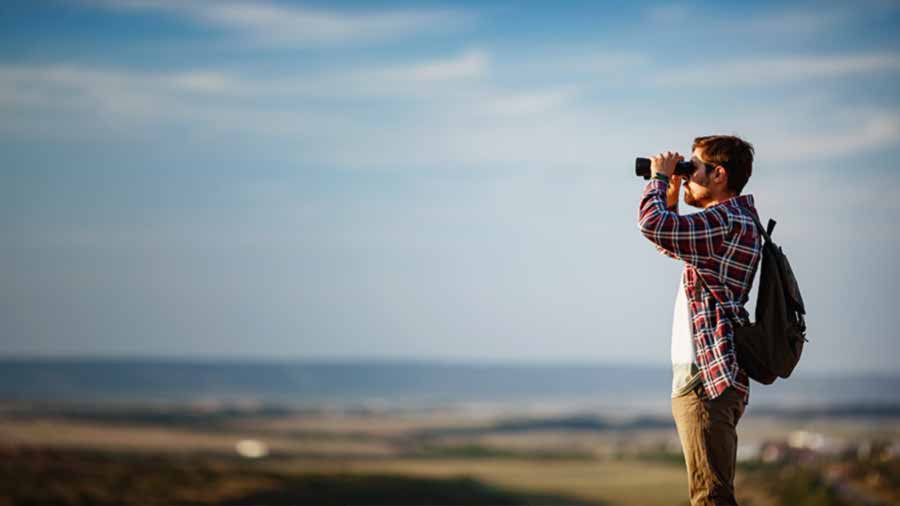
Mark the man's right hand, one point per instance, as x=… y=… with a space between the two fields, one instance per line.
x=664 y=163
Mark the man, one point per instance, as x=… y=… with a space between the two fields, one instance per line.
x=721 y=248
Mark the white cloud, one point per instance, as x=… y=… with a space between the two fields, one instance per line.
x=57 y=84
x=794 y=22
x=517 y=104
x=871 y=131
x=594 y=69
x=789 y=21
x=471 y=64
x=205 y=82
x=291 y=25
x=815 y=128
x=460 y=78
x=429 y=100
x=444 y=112
x=411 y=80
x=779 y=70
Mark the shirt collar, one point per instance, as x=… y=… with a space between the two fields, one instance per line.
x=740 y=201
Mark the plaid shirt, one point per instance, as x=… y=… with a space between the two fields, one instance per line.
x=721 y=246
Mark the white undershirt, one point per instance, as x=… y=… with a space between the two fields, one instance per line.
x=685 y=373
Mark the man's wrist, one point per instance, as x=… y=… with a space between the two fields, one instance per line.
x=662 y=177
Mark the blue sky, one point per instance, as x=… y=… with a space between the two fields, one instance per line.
x=424 y=179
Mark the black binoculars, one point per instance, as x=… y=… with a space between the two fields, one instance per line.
x=642 y=168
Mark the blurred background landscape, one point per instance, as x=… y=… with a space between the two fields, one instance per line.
x=386 y=252
x=116 y=431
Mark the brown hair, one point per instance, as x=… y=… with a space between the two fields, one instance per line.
x=731 y=152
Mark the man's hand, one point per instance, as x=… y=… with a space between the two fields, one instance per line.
x=664 y=163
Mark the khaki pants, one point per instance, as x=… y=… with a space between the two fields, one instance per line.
x=706 y=428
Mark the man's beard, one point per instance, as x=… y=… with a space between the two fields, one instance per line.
x=693 y=201
x=689 y=198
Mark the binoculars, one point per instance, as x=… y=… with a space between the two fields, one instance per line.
x=642 y=168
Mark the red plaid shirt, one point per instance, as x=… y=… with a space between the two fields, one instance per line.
x=721 y=246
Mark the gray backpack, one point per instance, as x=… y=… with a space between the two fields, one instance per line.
x=770 y=348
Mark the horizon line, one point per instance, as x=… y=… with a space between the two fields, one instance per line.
x=377 y=359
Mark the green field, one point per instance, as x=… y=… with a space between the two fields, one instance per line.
x=181 y=456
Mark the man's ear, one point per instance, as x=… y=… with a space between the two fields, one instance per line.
x=722 y=173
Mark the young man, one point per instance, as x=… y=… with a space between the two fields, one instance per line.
x=721 y=248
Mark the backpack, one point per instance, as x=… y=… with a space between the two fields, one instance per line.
x=771 y=347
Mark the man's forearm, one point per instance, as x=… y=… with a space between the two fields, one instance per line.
x=672 y=206
x=672 y=193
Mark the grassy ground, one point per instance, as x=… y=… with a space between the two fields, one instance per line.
x=623 y=482
x=101 y=458
x=77 y=477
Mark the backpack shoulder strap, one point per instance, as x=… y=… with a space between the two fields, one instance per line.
x=766 y=232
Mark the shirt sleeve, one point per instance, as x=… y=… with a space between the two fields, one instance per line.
x=662 y=250
x=692 y=238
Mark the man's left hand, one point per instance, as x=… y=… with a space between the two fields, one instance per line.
x=664 y=163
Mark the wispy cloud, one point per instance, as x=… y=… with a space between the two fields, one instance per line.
x=410 y=80
x=291 y=25
x=76 y=85
x=779 y=70
x=461 y=110
x=436 y=112
x=517 y=104
x=864 y=131
x=790 y=21
x=471 y=64
x=450 y=92
x=795 y=22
